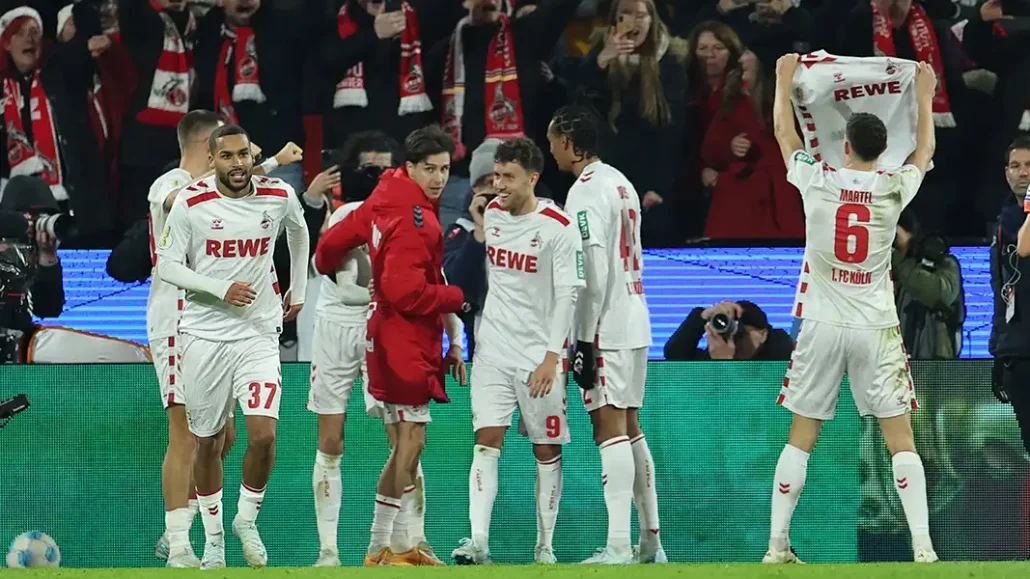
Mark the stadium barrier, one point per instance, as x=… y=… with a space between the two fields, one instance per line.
x=83 y=464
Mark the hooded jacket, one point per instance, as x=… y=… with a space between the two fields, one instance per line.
x=410 y=296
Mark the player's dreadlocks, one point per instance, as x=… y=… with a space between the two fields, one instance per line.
x=582 y=126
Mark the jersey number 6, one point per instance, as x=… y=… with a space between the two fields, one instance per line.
x=844 y=231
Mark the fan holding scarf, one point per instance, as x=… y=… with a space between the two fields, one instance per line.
x=250 y=65
x=46 y=130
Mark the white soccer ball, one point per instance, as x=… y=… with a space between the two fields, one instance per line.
x=33 y=549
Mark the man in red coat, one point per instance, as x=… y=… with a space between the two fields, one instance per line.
x=405 y=329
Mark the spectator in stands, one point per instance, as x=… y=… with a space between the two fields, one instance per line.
x=376 y=85
x=46 y=128
x=770 y=28
x=751 y=197
x=249 y=59
x=754 y=338
x=906 y=29
x=991 y=39
x=635 y=76
x=1010 y=329
x=927 y=291
x=488 y=44
x=159 y=37
x=464 y=247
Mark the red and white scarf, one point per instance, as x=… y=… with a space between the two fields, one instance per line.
x=350 y=92
x=40 y=156
x=169 y=97
x=924 y=42
x=238 y=43
x=504 y=118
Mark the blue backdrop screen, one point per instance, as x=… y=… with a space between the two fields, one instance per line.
x=676 y=281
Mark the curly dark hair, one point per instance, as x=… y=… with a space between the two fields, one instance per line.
x=581 y=125
x=522 y=151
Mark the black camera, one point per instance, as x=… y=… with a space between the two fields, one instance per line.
x=8 y=408
x=726 y=325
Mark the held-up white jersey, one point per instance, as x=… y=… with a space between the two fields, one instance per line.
x=851 y=220
x=527 y=257
x=231 y=239
x=344 y=302
x=163 y=304
x=607 y=213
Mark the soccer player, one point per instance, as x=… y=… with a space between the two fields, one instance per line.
x=217 y=245
x=534 y=272
x=845 y=304
x=612 y=331
x=405 y=327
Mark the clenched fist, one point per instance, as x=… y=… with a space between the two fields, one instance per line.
x=289 y=154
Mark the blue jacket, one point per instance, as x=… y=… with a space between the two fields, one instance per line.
x=464 y=264
x=1010 y=339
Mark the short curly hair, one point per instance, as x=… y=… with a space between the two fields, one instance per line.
x=522 y=151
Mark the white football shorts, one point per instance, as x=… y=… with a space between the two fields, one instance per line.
x=621 y=376
x=163 y=351
x=337 y=361
x=396 y=413
x=874 y=360
x=219 y=373
x=496 y=392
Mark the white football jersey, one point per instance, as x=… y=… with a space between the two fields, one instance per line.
x=344 y=302
x=230 y=239
x=165 y=300
x=527 y=257
x=851 y=221
x=607 y=213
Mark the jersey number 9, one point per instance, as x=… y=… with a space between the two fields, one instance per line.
x=845 y=231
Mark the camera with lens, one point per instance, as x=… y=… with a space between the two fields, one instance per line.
x=726 y=325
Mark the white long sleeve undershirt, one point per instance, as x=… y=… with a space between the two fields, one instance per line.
x=591 y=300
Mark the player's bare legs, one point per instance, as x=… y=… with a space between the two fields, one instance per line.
x=178 y=489
x=257 y=468
x=645 y=497
x=617 y=477
x=548 y=497
x=328 y=486
x=910 y=482
x=411 y=519
x=791 y=469
x=396 y=478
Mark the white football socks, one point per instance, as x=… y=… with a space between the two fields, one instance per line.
x=417 y=519
x=910 y=482
x=328 y=489
x=193 y=507
x=617 y=474
x=548 y=496
x=399 y=539
x=250 y=503
x=177 y=529
x=791 y=469
x=644 y=494
x=211 y=515
x=482 y=492
x=386 y=511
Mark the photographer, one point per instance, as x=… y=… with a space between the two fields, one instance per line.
x=736 y=331
x=927 y=291
x=31 y=279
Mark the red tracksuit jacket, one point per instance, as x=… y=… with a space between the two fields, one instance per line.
x=410 y=296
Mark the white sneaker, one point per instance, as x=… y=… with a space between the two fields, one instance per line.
x=184 y=559
x=161 y=548
x=253 y=547
x=328 y=558
x=544 y=556
x=609 y=556
x=469 y=553
x=925 y=556
x=778 y=557
x=214 y=555
x=649 y=555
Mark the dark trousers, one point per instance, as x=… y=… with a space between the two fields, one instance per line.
x=1015 y=378
x=133 y=188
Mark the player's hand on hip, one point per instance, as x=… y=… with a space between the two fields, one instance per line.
x=926 y=80
x=584 y=368
x=240 y=294
x=719 y=348
x=289 y=154
x=456 y=364
x=542 y=379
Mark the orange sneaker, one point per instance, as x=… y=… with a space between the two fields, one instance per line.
x=410 y=558
x=427 y=557
x=385 y=557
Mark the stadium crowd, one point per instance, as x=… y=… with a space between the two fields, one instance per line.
x=685 y=85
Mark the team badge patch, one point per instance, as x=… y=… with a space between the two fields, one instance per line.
x=584 y=225
x=419 y=217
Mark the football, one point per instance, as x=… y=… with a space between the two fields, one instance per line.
x=33 y=549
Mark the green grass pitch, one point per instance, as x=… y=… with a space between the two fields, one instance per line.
x=671 y=571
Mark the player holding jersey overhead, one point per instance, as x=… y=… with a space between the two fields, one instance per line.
x=612 y=331
x=845 y=304
x=224 y=227
x=534 y=272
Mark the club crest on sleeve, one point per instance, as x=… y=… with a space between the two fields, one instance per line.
x=419 y=217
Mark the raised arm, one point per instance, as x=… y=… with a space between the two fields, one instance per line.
x=926 y=139
x=402 y=283
x=783 y=113
x=354 y=231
